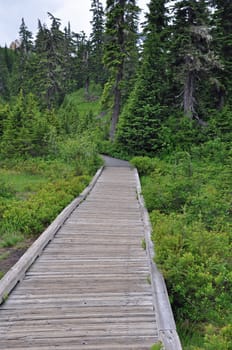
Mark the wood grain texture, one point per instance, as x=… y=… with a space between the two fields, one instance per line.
x=89 y=288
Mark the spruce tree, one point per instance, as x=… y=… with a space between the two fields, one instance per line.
x=223 y=43
x=22 y=73
x=97 y=70
x=82 y=61
x=4 y=75
x=121 y=38
x=68 y=60
x=26 y=131
x=49 y=65
x=193 y=58
x=142 y=117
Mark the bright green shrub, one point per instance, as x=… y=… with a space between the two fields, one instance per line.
x=34 y=214
x=190 y=209
x=218 y=339
x=82 y=152
x=145 y=165
x=6 y=191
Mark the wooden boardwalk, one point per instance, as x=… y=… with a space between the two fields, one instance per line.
x=90 y=288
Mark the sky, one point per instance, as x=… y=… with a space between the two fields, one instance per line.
x=74 y=11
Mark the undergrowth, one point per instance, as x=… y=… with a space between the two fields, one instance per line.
x=28 y=214
x=189 y=199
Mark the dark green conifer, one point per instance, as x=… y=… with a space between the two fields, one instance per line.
x=142 y=117
x=97 y=69
x=121 y=38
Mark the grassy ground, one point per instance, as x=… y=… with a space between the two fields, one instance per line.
x=30 y=199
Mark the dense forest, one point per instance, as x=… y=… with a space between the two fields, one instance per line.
x=158 y=94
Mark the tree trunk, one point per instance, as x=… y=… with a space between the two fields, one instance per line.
x=115 y=114
x=117 y=104
x=189 y=100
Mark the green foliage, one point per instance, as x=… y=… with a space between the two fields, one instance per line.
x=179 y=133
x=120 y=54
x=6 y=191
x=83 y=152
x=10 y=238
x=26 y=130
x=79 y=112
x=218 y=339
x=40 y=208
x=188 y=196
x=112 y=149
x=97 y=69
x=156 y=346
x=145 y=165
x=139 y=127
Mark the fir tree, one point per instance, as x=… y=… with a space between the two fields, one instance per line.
x=4 y=75
x=97 y=70
x=193 y=58
x=223 y=43
x=81 y=62
x=22 y=67
x=49 y=64
x=142 y=117
x=121 y=38
x=69 y=52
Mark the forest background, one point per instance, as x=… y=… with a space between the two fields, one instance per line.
x=160 y=98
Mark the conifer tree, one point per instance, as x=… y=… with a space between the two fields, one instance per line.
x=193 y=58
x=49 y=65
x=97 y=69
x=26 y=131
x=121 y=38
x=82 y=61
x=69 y=52
x=142 y=117
x=4 y=74
x=22 y=67
x=223 y=42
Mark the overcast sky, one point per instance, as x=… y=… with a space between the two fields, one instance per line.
x=74 y=11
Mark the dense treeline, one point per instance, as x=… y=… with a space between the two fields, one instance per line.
x=179 y=78
x=181 y=86
x=160 y=91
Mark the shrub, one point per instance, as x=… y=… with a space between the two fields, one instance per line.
x=190 y=210
x=34 y=214
x=6 y=191
x=145 y=165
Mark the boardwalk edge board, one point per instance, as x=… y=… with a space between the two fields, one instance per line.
x=165 y=320
x=17 y=272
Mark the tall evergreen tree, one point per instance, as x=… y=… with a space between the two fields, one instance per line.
x=22 y=68
x=223 y=42
x=121 y=38
x=193 y=58
x=26 y=39
x=97 y=69
x=69 y=52
x=4 y=74
x=82 y=61
x=142 y=117
x=49 y=65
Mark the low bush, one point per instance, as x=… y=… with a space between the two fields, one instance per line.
x=145 y=165
x=189 y=199
x=35 y=213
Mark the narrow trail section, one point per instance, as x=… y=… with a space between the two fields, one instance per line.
x=90 y=287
